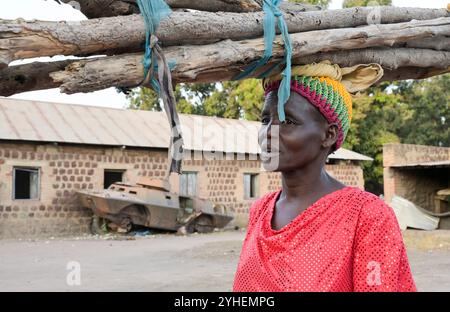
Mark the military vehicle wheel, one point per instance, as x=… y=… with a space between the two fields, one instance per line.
x=126 y=225
x=98 y=225
x=203 y=224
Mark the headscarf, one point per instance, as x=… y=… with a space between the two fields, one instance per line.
x=328 y=86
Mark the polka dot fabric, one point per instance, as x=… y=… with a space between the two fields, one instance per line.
x=348 y=240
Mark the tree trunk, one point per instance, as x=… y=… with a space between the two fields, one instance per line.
x=20 y=39
x=126 y=70
x=108 y=8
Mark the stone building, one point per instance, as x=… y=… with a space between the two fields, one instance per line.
x=50 y=150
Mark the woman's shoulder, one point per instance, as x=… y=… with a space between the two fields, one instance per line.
x=363 y=197
x=372 y=206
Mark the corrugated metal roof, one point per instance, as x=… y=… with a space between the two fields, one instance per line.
x=82 y=124
x=425 y=164
x=344 y=153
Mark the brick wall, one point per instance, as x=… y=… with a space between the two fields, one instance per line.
x=415 y=184
x=403 y=154
x=66 y=168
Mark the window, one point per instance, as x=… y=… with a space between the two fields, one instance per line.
x=26 y=183
x=112 y=176
x=188 y=184
x=250 y=185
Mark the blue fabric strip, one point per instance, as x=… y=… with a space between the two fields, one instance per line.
x=272 y=13
x=153 y=11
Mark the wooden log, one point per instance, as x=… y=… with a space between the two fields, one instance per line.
x=37 y=76
x=440 y=43
x=404 y=73
x=20 y=39
x=220 y=61
x=388 y=58
x=108 y=8
x=30 y=77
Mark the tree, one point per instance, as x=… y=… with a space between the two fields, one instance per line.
x=362 y=3
x=248 y=95
x=322 y=3
x=429 y=100
x=414 y=112
x=189 y=98
x=377 y=117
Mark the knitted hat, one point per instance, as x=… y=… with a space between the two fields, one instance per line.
x=327 y=86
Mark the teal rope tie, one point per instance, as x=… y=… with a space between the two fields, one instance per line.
x=156 y=65
x=272 y=13
x=153 y=11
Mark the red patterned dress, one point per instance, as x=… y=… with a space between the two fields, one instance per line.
x=348 y=240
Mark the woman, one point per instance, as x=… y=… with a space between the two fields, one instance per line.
x=316 y=234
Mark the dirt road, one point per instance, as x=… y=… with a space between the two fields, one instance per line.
x=202 y=262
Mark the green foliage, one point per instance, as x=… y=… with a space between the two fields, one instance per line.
x=429 y=101
x=189 y=97
x=362 y=3
x=322 y=3
x=231 y=99
x=414 y=112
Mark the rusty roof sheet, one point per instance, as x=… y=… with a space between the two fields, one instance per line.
x=82 y=124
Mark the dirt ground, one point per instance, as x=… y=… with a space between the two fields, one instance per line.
x=199 y=262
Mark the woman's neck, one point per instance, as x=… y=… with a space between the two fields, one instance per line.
x=306 y=182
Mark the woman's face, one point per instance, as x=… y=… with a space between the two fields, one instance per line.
x=304 y=136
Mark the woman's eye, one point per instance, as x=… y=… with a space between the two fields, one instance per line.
x=289 y=122
x=265 y=120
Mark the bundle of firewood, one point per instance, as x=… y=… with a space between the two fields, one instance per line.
x=215 y=40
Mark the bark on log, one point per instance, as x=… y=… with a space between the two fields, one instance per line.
x=238 y=6
x=30 y=77
x=103 y=8
x=440 y=43
x=411 y=64
x=404 y=73
x=127 y=71
x=108 y=8
x=20 y=39
x=388 y=58
x=213 y=62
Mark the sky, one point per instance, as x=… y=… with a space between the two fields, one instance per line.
x=51 y=11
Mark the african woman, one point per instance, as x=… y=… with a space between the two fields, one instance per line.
x=315 y=233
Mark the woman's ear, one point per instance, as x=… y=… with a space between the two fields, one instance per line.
x=331 y=135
